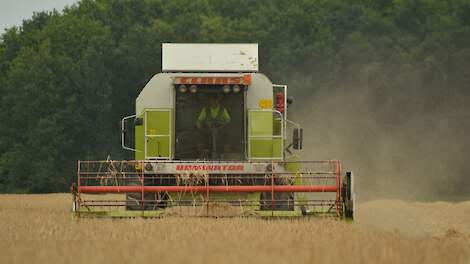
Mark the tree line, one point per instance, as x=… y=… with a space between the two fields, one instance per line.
x=67 y=77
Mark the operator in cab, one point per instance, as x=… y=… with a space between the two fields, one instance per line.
x=212 y=121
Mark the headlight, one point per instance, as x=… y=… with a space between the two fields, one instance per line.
x=193 y=88
x=236 y=88
x=226 y=88
x=183 y=88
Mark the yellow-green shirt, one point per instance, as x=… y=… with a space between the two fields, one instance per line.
x=214 y=112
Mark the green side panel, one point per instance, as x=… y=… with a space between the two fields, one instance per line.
x=139 y=141
x=158 y=133
x=266 y=148
x=261 y=148
x=158 y=122
x=158 y=147
x=261 y=123
x=262 y=129
x=277 y=147
x=277 y=126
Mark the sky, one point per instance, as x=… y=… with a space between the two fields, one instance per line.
x=13 y=12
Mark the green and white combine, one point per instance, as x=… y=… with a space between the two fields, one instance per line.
x=212 y=137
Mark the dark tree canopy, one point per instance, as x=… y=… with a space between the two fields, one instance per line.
x=402 y=66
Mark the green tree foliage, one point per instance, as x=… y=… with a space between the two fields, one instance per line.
x=66 y=78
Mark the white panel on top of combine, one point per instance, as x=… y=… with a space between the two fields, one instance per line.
x=202 y=57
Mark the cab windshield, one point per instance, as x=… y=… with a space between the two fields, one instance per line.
x=209 y=123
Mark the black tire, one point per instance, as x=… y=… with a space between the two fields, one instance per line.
x=152 y=201
x=349 y=214
x=348 y=196
x=283 y=201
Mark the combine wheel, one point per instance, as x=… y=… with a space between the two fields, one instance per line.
x=349 y=198
x=283 y=201
x=152 y=201
x=133 y=200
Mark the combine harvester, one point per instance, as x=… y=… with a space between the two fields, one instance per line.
x=212 y=138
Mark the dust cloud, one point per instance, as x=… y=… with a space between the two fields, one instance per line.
x=407 y=147
x=442 y=219
x=401 y=144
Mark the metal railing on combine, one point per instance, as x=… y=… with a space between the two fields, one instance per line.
x=251 y=188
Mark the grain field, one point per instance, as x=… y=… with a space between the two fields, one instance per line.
x=41 y=229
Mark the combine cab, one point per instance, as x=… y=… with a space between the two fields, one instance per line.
x=212 y=138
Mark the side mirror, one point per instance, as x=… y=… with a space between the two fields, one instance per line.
x=297 y=138
x=138 y=121
x=290 y=100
